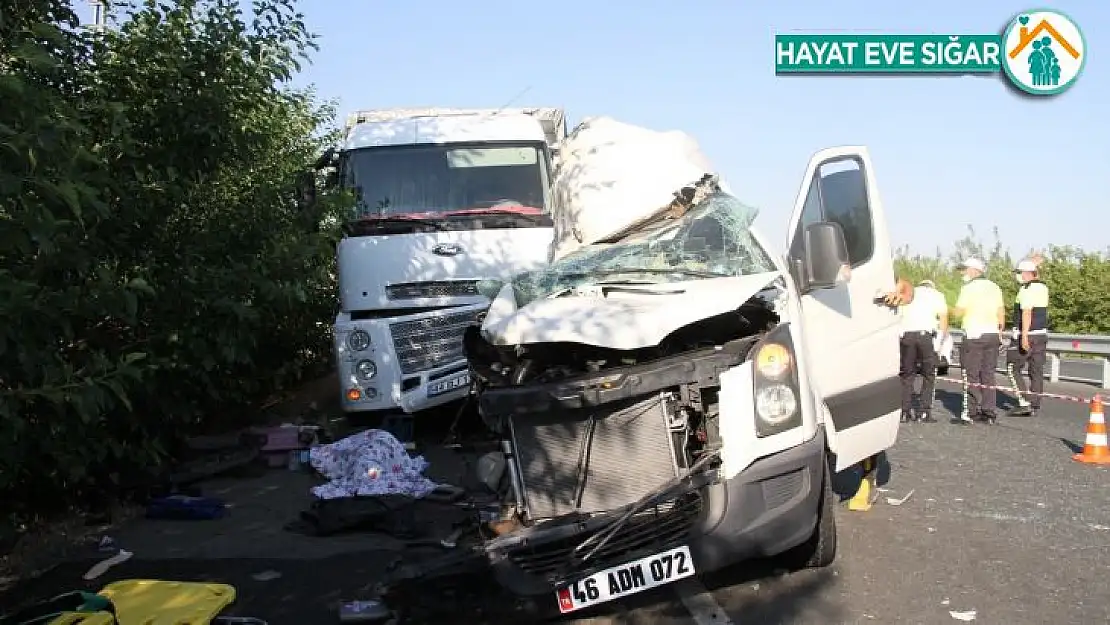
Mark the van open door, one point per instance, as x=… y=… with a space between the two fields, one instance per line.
x=851 y=339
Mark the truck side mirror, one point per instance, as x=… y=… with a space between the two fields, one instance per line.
x=306 y=190
x=826 y=262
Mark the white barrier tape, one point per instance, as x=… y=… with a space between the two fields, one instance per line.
x=1010 y=389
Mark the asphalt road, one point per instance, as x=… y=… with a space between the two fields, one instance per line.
x=999 y=521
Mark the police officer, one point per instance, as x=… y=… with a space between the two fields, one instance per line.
x=983 y=316
x=1030 y=336
x=922 y=318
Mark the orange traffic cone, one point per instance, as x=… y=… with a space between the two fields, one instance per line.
x=1095 y=450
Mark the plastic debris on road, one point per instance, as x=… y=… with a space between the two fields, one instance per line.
x=266 y=576
x=894 y=501
x=101 y=567
x=963 y=616
x=367 y=464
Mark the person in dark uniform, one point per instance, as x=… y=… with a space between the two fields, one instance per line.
x=1030 y=336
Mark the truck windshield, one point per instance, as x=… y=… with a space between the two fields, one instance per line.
x=711 y=240
x=426 y=180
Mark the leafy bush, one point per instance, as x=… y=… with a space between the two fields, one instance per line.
x=157 y=275
x=1077 y=280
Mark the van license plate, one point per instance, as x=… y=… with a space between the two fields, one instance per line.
x=626 y=579
x=440 y=387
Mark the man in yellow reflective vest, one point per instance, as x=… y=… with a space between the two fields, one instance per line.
x=982 y=313
x=1030 y=338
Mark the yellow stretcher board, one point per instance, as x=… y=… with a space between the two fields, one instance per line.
x=157 y=602
x=84 y=618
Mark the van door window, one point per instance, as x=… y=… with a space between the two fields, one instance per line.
x=838 y=193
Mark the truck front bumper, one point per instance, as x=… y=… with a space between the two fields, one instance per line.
x=395 y=386
x=765 y=510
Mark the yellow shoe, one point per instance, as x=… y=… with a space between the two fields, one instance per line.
x=861 y=501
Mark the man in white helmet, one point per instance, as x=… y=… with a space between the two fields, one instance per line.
x=982 y=313
x=1030 y=335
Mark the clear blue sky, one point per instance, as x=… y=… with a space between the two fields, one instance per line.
x=948 y=151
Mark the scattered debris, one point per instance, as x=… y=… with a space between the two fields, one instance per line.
x=963 y=616
x=1096 y=526
x=106 y=544
x=363 y=611
x=452 y=539
x=894 y=501
x=101 y=567
x=945 y=602
x=266 y=576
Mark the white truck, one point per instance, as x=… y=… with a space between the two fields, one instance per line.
x=450 y=202
x=672 y=396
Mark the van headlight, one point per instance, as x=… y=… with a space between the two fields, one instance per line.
x=358 y=340
x=776 y=383
x=366 y=369
x=775 y=404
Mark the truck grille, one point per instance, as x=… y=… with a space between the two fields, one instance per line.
x=655 y=530
x=445 y=288
x=630 y=455
x=431 y=342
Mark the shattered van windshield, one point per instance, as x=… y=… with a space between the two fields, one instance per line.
x=710 y=240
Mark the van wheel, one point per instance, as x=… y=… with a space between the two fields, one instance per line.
x=820 y=549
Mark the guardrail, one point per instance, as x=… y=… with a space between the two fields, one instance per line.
x=1086 y=370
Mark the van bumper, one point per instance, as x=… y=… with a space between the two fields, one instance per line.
x=765 y=510
x=768 y=508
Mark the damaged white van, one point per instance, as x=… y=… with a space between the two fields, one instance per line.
x=673 y=397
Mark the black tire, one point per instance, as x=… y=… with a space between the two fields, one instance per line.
x=942 y=368
x=819 y=550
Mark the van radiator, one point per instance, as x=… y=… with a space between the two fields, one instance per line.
x=631 y=454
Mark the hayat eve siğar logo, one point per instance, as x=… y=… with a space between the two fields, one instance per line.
x=1043 y=52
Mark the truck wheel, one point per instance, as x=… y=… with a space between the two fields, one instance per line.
x=820 y=549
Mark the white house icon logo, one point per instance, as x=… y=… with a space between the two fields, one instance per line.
x=1044 y=52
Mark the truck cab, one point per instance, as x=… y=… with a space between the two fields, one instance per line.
x=450 y=202
x=673 y=397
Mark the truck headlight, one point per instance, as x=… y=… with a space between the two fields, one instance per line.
x=775 y=383
x=358 y=340
x=366 y=369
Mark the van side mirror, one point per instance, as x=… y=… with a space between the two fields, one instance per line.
x=306 y=190
x=826 y=263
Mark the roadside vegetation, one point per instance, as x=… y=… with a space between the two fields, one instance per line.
x=1077 y=280
x=158 y=275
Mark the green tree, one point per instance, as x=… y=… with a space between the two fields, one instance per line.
x=157 y=273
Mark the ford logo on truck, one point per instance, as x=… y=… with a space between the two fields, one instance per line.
x=447 y=249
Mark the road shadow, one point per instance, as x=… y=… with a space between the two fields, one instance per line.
x=1074 y=446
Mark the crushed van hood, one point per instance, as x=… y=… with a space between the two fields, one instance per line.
x=627 y=317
